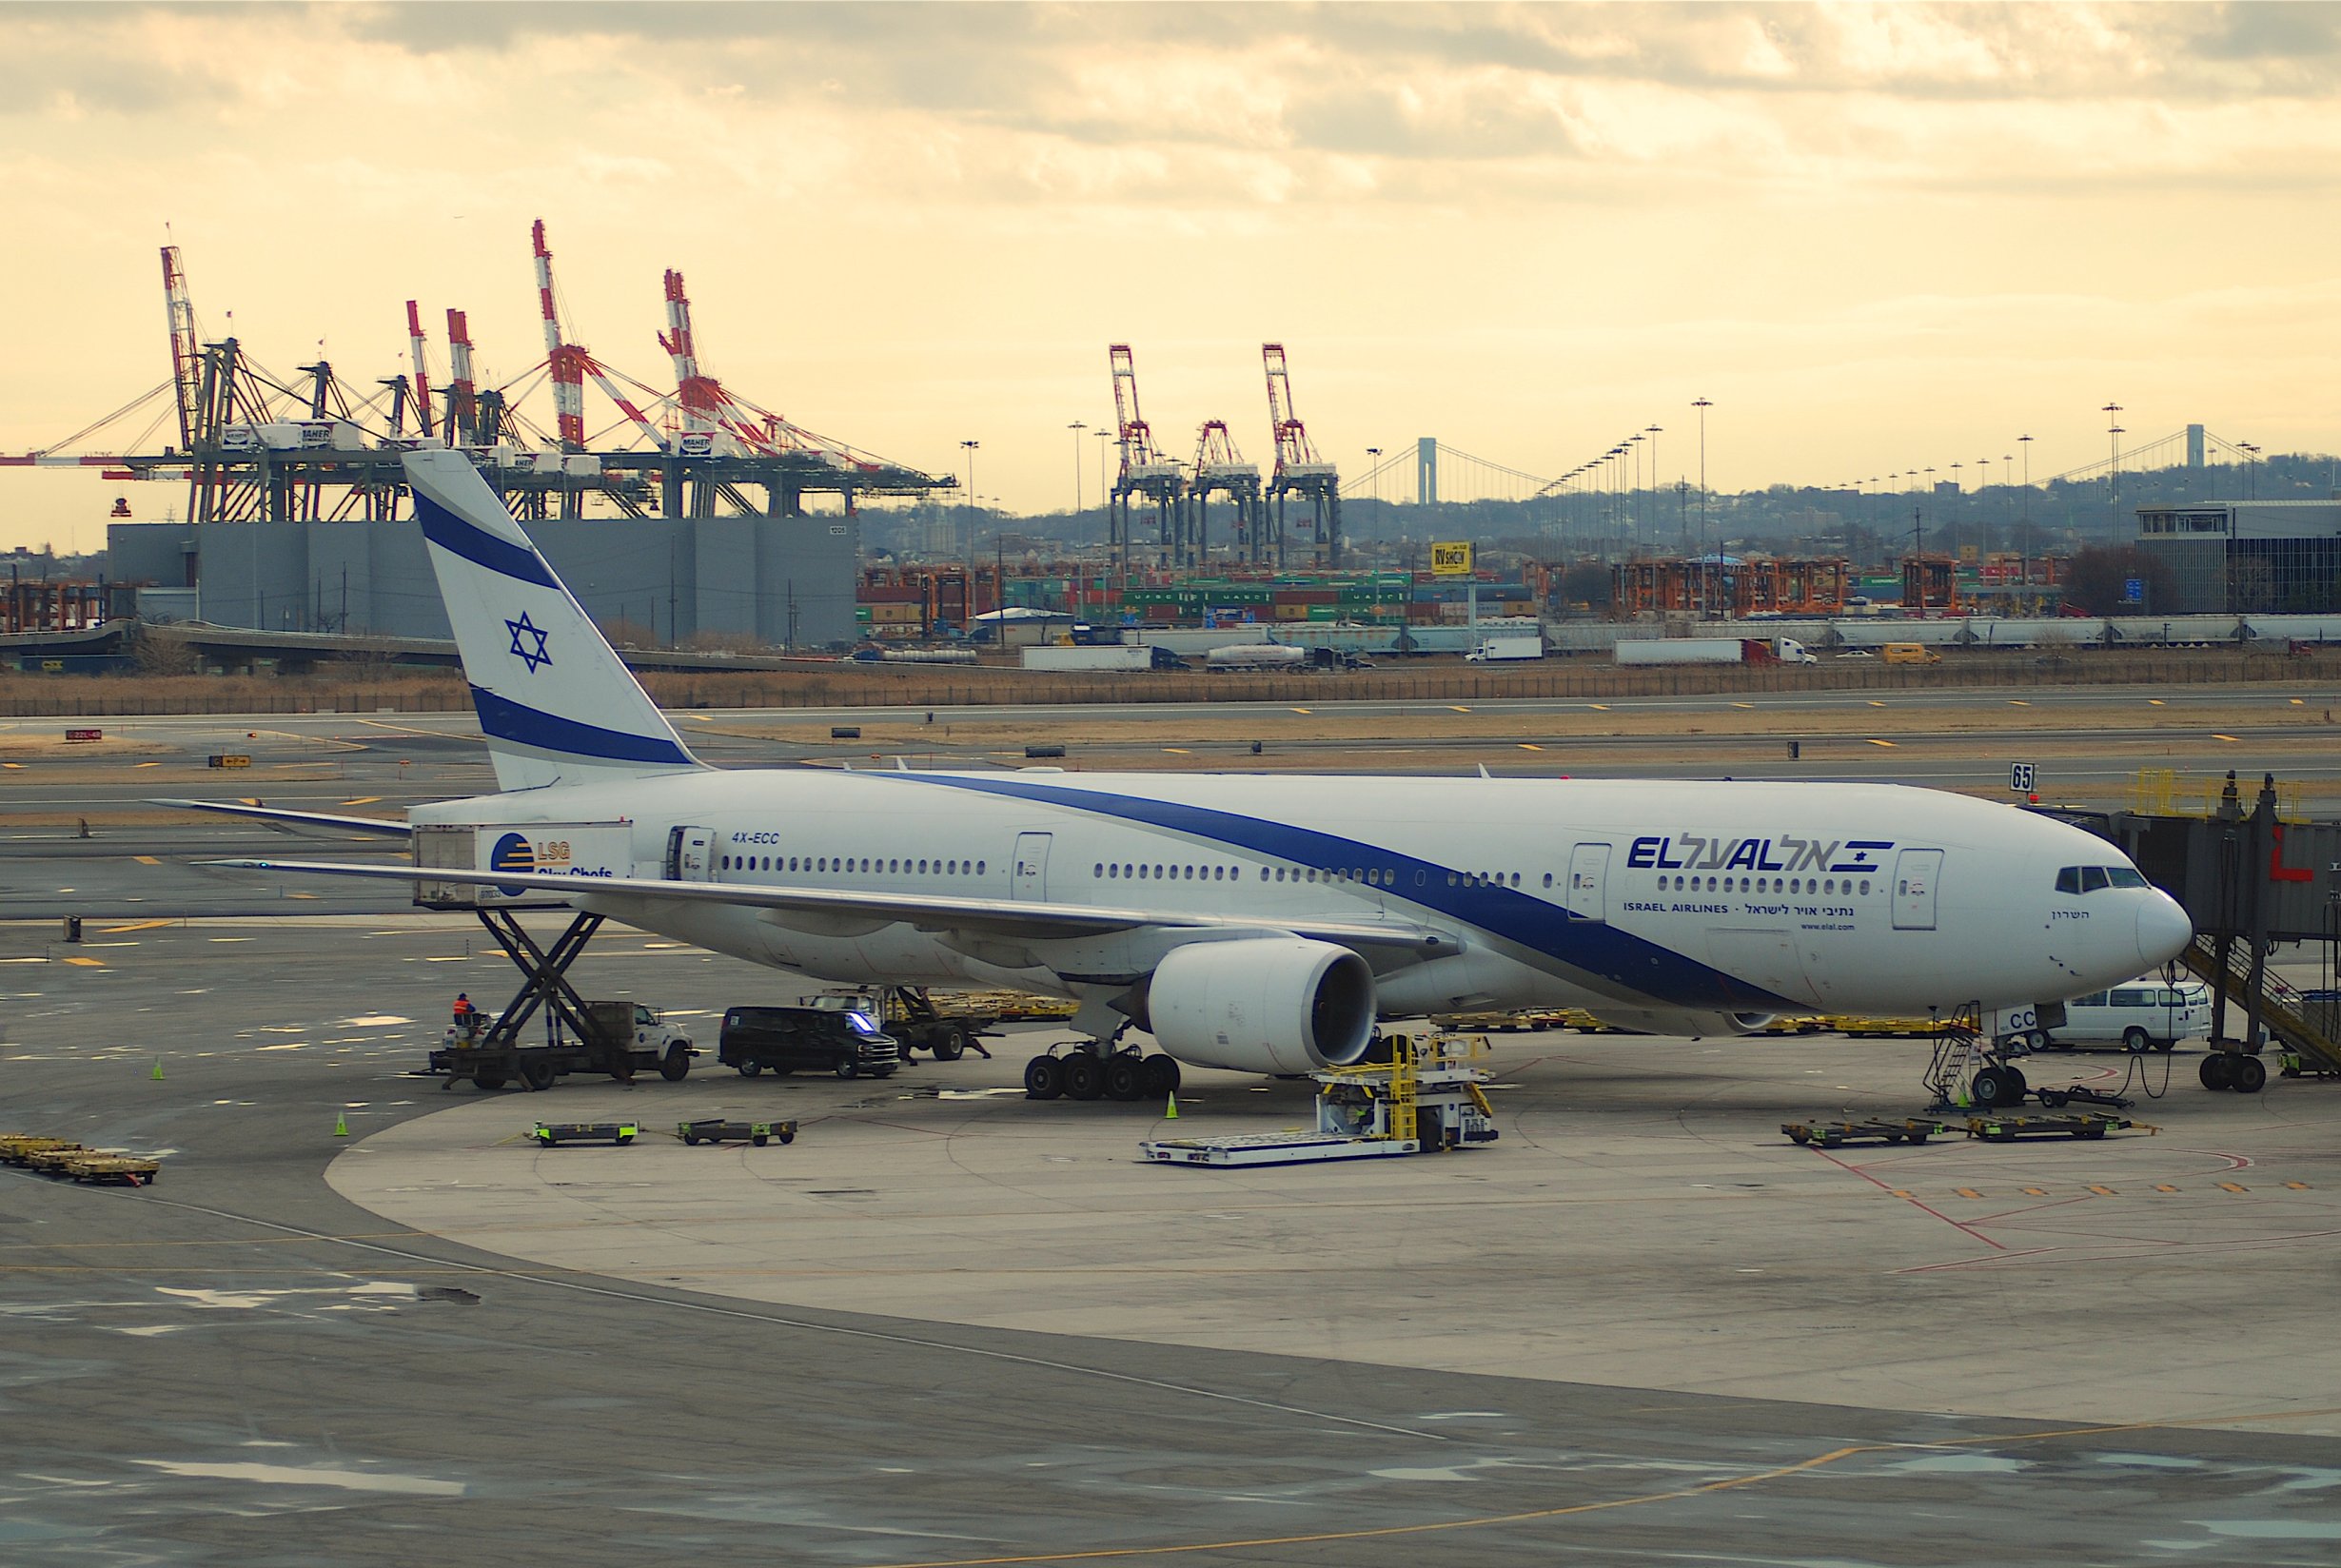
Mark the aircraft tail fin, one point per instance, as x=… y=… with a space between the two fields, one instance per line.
x=557 y=704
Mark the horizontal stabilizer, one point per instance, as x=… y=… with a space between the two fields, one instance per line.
x=306 y=819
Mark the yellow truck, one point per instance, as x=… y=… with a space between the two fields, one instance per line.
x=1909 y=653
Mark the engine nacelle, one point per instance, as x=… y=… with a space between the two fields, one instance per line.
x=1682 y=1021
x=1269 y=1004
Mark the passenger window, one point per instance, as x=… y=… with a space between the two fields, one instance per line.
x=979 y=868
x=2092 y=878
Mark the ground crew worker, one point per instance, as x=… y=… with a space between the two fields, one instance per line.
x=466 y=1016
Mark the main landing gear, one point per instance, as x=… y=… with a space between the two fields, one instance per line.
x=1088 y=1070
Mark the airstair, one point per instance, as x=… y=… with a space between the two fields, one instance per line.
x=1969 y=1069
x=2305 y=1029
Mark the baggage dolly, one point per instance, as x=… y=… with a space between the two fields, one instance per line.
x=548 y=1134
x=717 y=1130
x=1911 y=1129
x=2007 y=1129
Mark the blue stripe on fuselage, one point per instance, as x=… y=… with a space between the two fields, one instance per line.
x=475 y=545
x=1595 y=946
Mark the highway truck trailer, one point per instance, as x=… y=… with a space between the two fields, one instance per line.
x=1715 y=650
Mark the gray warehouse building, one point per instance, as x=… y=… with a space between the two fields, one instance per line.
x=2248 y=557
x=782 y=581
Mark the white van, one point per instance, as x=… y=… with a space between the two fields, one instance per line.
x=2145 y=1014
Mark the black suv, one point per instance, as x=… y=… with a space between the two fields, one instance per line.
x=845 y=1042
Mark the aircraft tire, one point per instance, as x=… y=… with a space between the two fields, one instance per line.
x=1085 y=1076
x=2250 y=1077
x=1126 y=1077
x=1162 y=1077
x=1990 y=1087
x=2217 y=1072
x=1043 y=1078
x=2017 y=1086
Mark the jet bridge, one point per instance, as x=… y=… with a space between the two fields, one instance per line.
x=2250 y=878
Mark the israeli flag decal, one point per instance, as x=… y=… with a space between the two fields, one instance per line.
x=532 y=656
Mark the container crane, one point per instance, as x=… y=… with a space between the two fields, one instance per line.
x=186 y=353
x=1299 y=470
x=1220 y=469
x=1145 y=472
x=567 y=359
x=422 y=372
x=462 y=390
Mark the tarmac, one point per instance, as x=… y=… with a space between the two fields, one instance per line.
x=950 y=1325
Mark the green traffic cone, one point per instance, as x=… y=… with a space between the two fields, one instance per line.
x=158 y=1070
x=341 y=1124
x=1170 y=1111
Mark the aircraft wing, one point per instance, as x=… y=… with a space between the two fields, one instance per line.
x=929 y=911
x=307 y=819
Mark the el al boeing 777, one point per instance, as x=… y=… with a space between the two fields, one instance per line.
x=1256 y=922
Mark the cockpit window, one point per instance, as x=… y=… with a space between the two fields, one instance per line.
x=2090 y=879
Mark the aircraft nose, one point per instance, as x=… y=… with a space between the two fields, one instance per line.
x=2163 y=930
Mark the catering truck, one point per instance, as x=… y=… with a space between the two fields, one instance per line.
x=1715 y=650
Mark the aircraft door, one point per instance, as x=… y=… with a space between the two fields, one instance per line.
x=1916 y=872
x=690 y=854
x=1588 y=887
x=1031 y=868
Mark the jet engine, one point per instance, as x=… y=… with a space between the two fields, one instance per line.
x=1269 y=1004
x=1682 y=1021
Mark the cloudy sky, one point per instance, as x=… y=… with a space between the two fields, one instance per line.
x=1878 y=237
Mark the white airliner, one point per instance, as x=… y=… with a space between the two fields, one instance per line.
x=1255 y=922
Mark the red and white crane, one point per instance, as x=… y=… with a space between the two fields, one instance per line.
x=423 y=371
x=570 y=365
x=705 y=406
x=1295 y=455
x=1135 y=437
x=462 y=390
x=567 y=359
x=185 y=354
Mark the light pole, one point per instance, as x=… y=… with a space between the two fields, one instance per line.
x=1076 y=427
x=1373 y=475
x=1706 y=512
x=967 y=608
x=2024 y=444
x=1653 y=431
x=1633 y=447
x=2112 y=461
x=2251 y=473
